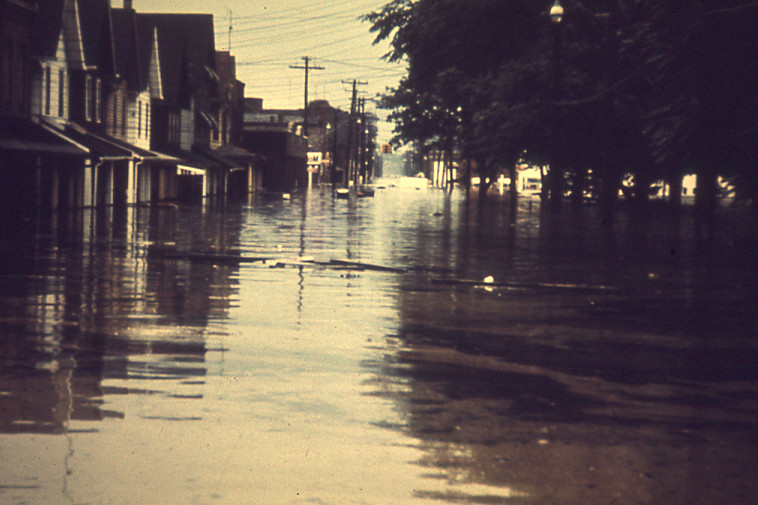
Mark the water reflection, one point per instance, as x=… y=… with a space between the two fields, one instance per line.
x=599 y=367
x=81 y=305
x=608 y=369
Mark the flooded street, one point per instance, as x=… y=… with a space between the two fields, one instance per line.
x=147 y=359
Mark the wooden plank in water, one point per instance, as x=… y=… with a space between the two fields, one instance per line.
x=366 y=266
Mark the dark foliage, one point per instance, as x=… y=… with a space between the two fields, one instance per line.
x=652 y=88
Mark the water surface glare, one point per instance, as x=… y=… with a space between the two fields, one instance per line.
x=147 y=360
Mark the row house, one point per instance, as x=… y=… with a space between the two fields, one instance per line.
x=74 y=71
x=33 y=79
x=230 y=117
x=197 y=120
x=104 y=106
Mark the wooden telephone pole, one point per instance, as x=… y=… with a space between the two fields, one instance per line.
x=351 y=168
x=307 y=67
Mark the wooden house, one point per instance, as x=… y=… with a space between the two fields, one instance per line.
x=184 y=121
x=39 y=166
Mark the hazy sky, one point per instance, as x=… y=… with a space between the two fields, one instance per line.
x=268 y=36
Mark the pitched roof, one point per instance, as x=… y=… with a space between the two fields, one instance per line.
x=186 y=48
x=146 y=40
x=95 y=20
x=48 y=23
x=127 y=48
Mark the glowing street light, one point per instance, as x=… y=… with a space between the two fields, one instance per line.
x=556 y=12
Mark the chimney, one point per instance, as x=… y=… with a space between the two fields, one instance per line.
x=128 y=5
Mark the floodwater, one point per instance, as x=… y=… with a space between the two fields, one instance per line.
x=599 y=367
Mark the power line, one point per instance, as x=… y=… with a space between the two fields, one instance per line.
x=307 y=60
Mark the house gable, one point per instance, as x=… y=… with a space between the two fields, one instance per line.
x=50 y=83
x=155 y=80
x=72 y=35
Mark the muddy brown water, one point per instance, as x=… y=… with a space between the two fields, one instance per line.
x=598 y=367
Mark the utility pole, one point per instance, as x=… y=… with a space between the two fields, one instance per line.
x=362 y=141
x=306 y=67
x=230 y=30
x=351 y=132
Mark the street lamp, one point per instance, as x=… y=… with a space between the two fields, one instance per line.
x=556 y=175
x=556 y=12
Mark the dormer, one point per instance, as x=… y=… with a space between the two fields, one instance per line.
x=58 y=49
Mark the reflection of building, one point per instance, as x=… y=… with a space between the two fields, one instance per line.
x=94 y=308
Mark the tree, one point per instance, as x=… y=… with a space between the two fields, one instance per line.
x=447 y=97
x=652 y=88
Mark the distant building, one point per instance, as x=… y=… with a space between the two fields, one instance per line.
x=276 y=135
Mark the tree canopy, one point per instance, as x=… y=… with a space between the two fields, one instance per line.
x=653 y=88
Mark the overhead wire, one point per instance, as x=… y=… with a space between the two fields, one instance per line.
x=279 y=38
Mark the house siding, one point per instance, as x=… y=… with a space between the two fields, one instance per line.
x=50 y=89
x=186 y=128
x=138 y=121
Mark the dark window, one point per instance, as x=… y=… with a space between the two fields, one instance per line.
x=224 y=128
x=88 y=98
x=47 y=91
x=98 y=100
x=61 y=91
x=139 y=120
x=171 y=128
x=123 y=116
x=114 y=108
x=23 y=102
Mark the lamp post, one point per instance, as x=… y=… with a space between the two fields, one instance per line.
x=556 y=173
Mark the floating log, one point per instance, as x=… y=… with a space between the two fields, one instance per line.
x=525 y=285
x=213 y=257
x=366 y=266
x=297 y=262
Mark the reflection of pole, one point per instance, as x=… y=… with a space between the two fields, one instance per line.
x=300 y=273
x=335 y=149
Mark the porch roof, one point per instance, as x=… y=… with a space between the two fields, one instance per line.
x=20 y=134
x=217 y=158
x=97 y=146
